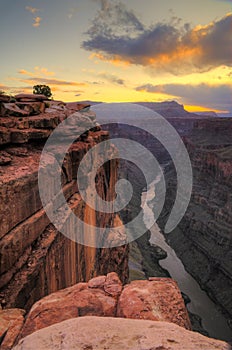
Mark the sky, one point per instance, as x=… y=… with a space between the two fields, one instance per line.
x=120 y=51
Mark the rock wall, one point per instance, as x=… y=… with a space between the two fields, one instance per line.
x=203 y=239
x=36 y=259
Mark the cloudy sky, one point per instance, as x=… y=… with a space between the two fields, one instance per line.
x=126 y=50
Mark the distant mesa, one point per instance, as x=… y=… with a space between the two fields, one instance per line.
x=208 y=114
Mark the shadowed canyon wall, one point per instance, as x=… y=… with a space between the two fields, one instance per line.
x=203 y=239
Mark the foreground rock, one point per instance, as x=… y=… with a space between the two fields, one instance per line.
x=11 y=322
x=159 y=299
x=117 y=334
x=96 y=298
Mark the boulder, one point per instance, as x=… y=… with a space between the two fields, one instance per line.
x=113 y=285
x=158 y=299
x=29 y=97
x=4 y=98
x=27 y=100
x=32 y=108
x=97 y=282
x=22 y=109
x=11 y=322
x=78 y=106
x=82 y=299
x=98 y=333
x=8 y=109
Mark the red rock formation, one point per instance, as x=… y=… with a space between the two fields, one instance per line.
x=11 y=323
x=4 y=98
x=116 y=334
x=31 y=97
x=36 y=259
x=157 y=299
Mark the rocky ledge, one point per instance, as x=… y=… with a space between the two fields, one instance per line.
x=157 y=299
x=141 y=315
x=97 y=333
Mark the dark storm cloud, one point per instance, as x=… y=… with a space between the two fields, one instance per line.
x=217 y=96
x=116 y=33
x=112 y=19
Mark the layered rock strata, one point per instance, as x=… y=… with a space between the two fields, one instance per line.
x=203 y=239
x=36 y=259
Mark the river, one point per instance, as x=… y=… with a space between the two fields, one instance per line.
x=212 y=319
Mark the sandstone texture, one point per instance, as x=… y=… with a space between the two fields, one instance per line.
x=157 y=299
x=11 y=323
x=97 y=297
x=117 y=334
x=36 y=259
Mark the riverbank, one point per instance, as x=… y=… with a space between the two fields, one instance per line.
x=213 y=321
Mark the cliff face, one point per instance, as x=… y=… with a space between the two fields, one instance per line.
x=36 y=259
x=203 y=239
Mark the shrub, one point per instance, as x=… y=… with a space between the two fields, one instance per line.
x=42 y=90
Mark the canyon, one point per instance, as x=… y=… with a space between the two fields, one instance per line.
x=49 y=282
x=203 y=238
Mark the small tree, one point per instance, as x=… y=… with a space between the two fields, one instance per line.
x=42 y=90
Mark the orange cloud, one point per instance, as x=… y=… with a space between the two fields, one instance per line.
x=37 y=21
x=54 y=82
x=115 y=60
x=163 y=46
x=37 y=71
